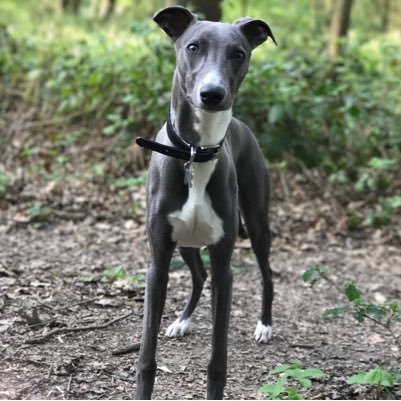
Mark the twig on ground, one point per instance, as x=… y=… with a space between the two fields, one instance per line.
x=85 y=301
x=60 y=330
x=127 y=350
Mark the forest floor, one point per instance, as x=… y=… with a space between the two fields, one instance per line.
x=78 y=260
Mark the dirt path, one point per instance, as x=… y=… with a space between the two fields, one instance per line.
x=60 y=272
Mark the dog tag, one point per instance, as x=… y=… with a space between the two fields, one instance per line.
x=189 y=168
x=189 y=175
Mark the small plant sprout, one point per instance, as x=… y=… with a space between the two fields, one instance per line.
x=118 y=273
x=379 y=379
x=292 y=378
x=4 y=181
x=385 y=315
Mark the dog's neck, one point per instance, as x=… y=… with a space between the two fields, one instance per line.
x=197 y=126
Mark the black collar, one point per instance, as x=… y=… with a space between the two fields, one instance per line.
x=181 y=149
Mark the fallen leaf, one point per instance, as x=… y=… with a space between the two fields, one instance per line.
x=375 y=339
x=165 y=369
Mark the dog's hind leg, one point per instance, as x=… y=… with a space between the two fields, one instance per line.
x=192 y=258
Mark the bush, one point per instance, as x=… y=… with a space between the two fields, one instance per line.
x=345 y=117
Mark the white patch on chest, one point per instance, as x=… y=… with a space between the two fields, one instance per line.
x=197 y=224
x=212 y=126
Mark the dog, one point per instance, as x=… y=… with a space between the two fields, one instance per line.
x=206 y=170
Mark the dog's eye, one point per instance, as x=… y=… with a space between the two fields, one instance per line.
x=192 y=48
x=239 y=55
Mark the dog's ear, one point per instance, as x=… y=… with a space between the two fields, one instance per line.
x=255 y=30
x=174 y=20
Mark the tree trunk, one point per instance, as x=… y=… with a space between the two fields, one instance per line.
x=386 y=15
x=339 y=25
x=71 y=6
x=209 y=9
x=111 y=5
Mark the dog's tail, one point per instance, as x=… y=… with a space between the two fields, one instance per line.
x=241 y=228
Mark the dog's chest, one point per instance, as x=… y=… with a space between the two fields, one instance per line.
x=197 y=224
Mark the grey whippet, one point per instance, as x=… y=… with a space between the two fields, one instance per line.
x=206 y=166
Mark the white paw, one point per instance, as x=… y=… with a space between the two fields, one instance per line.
x=263 y=333
x=178 y=328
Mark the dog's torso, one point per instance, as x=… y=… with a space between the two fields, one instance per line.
x=194 y=212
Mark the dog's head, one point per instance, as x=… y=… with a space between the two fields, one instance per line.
x=212 y=57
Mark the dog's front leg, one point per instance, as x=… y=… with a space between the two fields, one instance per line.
x=221 y=306
x=155 y=296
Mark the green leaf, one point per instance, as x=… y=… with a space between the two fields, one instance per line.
x=358 y=316
x=284 y=368
x=383 y=164
x=109 y=130
x=308 y=274
x=292 y=394
x=114 y=273
x=334 y=312
x=359 y=378
x=391 y=203
x=129 y=182
x=314 y=274
x=351 y=292
x=377 y=376
x=312 y=372
x=176 y=263
x=275 y=113
x=376 y=311
x=274 y=390
x=304 y=382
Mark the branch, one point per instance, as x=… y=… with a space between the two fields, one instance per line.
x=60 y=330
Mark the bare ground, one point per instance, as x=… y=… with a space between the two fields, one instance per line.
x=52 y=276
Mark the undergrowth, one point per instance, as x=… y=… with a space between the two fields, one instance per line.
x=110 y=82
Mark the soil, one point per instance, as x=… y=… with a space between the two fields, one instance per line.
x=55 y=274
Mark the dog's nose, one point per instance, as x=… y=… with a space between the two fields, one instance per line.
x=212 y=95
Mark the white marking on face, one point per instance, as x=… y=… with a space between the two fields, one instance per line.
x=212 y=78
x=178 y=328
x=263 y=333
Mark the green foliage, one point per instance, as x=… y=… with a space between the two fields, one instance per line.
x=334 y=312
x=379 y=380
x=39 y=214
x=114 y=79
x=4 y=181
x=385 y=315
x=292 y=378
x=374 y=377
x=118 y=273
x=314 y=274
x=129 y=182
